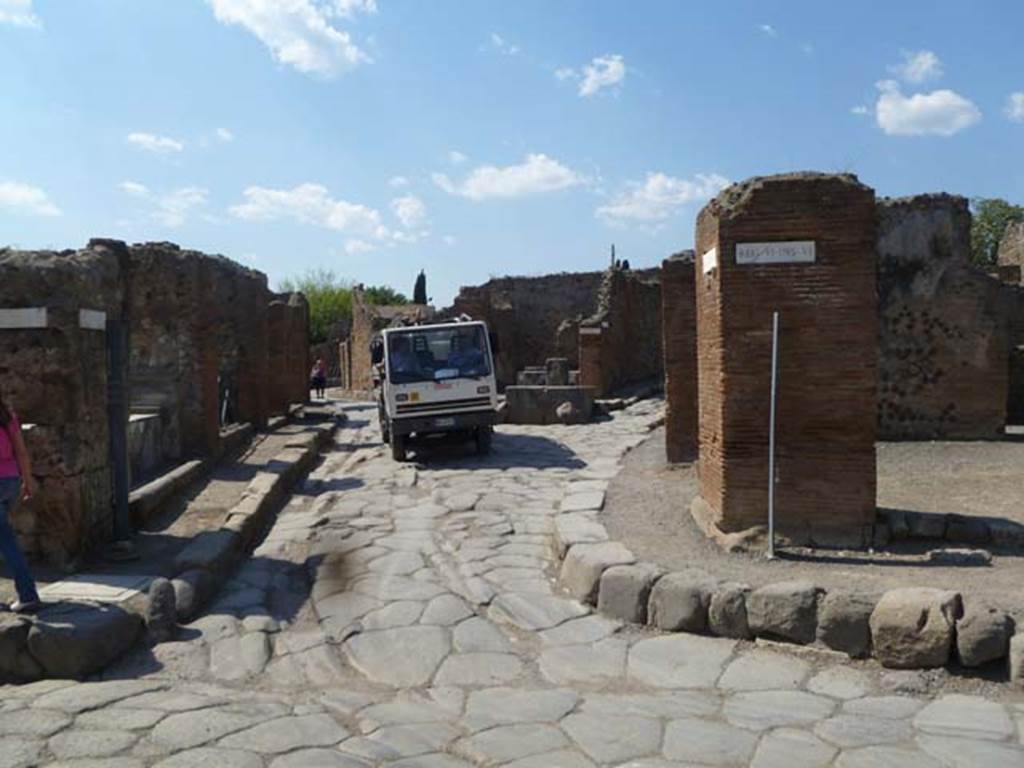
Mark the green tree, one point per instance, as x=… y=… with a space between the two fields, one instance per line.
x=330 y=300
x=383 y=294
x=329 y=297
x=991 y=218
x=419 y=292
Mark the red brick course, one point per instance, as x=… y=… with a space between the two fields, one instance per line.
x=679 y=334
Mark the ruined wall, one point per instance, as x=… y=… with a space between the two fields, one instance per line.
x=621 y=343
x=55 y=376
x=367 y=320
x=288 y=351
x=534 y=318
x=1011 y=249
x=679 y=343
x=825 y=438
x=945 y=333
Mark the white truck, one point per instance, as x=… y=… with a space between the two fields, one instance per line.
x=434 y=379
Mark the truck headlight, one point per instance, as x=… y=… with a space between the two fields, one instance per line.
x=484 y=390
x=401 y=397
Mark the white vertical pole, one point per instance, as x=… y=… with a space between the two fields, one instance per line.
x=771 y=436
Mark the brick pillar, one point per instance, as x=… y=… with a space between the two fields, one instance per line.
x=679 y=345
x=802 y=244
x=277 y=356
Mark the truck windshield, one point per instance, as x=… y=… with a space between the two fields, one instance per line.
x=423 y=354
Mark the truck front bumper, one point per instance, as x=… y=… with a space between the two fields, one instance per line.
x=453 y=422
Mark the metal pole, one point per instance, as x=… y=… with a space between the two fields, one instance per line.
x=771 y=436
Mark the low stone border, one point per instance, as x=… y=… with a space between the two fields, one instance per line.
x=906 y=628
x=73 y=639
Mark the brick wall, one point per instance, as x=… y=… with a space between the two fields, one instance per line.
x=945 y=333
x=1011 y=249
x=534 y=318
x=621 y=343
x=828 y=359
x=679 y=332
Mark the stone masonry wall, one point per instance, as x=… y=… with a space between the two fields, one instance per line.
x=367 y=320
x=825 y=439
x=527 y=313
x=621 y=343
x=55 y=377
x=945 y=334
x=679 y=334
x=1011 y=249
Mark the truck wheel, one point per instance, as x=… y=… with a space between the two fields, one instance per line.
x=398 y=447
x=385 y=431
x=483 y=440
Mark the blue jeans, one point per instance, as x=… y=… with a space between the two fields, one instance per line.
x=10 y=488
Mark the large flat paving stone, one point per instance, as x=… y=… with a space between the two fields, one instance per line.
x=790 y=748
x=587 y=663
x=507 y=706
x=207 y=757
x=478 y=635
x=512 y=742
x=184 y=730
x=535 y=612
x=849 y=731
x=708 y=742
x=886 y=757
x=288 y=733
x=83 y=696
x=402 y=741
x=679 y=661
x=970 y=717
x=478 y=669
x=607 y=739
x=317 y=758
x=972 y=753
x=761 y=710
x=403 y=657
x=670 y=705
x=764 y=670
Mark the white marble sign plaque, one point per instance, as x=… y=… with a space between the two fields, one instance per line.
x=23 y=317
x=792 y=252
x=709 y=260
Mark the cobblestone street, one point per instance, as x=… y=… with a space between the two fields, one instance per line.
x=405 y=615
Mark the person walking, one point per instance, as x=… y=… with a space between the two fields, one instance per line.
x=318 y=378
x=16 y=482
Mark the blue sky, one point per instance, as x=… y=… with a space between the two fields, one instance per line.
x=476 y=139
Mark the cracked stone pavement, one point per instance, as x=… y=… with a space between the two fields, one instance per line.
x=404 y=615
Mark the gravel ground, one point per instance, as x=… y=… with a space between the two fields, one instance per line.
x=647 y=508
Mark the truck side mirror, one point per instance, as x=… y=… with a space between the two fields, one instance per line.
x=493 y=338
x=377 y=352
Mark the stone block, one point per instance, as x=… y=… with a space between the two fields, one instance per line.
x=926 y=525
x=982 y=633
x=1006 y=534
x=210 y=550
x=727 y=611
x=16 y=664
x=72 y=640
x=679 y=602
x=161 y=611
x=625 y=589
x=538 y=405
x=567 y=413
x=557 y=369
x=583 y=565
x=787 y=611
x=191 y=591
x=899 y=528
x=913 y=627
x=1015 y=659
x=968 y=530
x=844 y=622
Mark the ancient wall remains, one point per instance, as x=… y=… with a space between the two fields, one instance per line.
x=1011 y=249
x=802 y=245
x=620 y=344
x=367 y=320
x=53 y=371
x=190 y=318
x=945 y=335
x=679 y=343
x=534 y=318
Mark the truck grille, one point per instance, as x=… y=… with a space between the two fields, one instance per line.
x=471 y=403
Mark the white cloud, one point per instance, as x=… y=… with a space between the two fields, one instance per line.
x=300 y=33
x=1015 y=107
x=409 y=210
x=153 y=143
x=19 y=13
x=537 y=174
x=918 y=67
x=171 y=209
x=354 y=247
x=769 y=30
x=503 y=46
x=860 y=109
x=24 y=198
x=134 y=188
x=939 y=113
x=566 y=73
x=602 y=72
x=449 y=240
x=455 y=157
x=660 y=196
x=225 y=135
x=398 y=181
x=309 y=204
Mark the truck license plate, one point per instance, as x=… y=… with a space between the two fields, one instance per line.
x=445 y=422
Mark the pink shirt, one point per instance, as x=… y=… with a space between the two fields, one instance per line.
x=9 y=464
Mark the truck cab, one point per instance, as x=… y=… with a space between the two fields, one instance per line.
x=434 y=379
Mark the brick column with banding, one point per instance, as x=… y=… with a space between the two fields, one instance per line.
x=802 y=244
x=679 y=343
